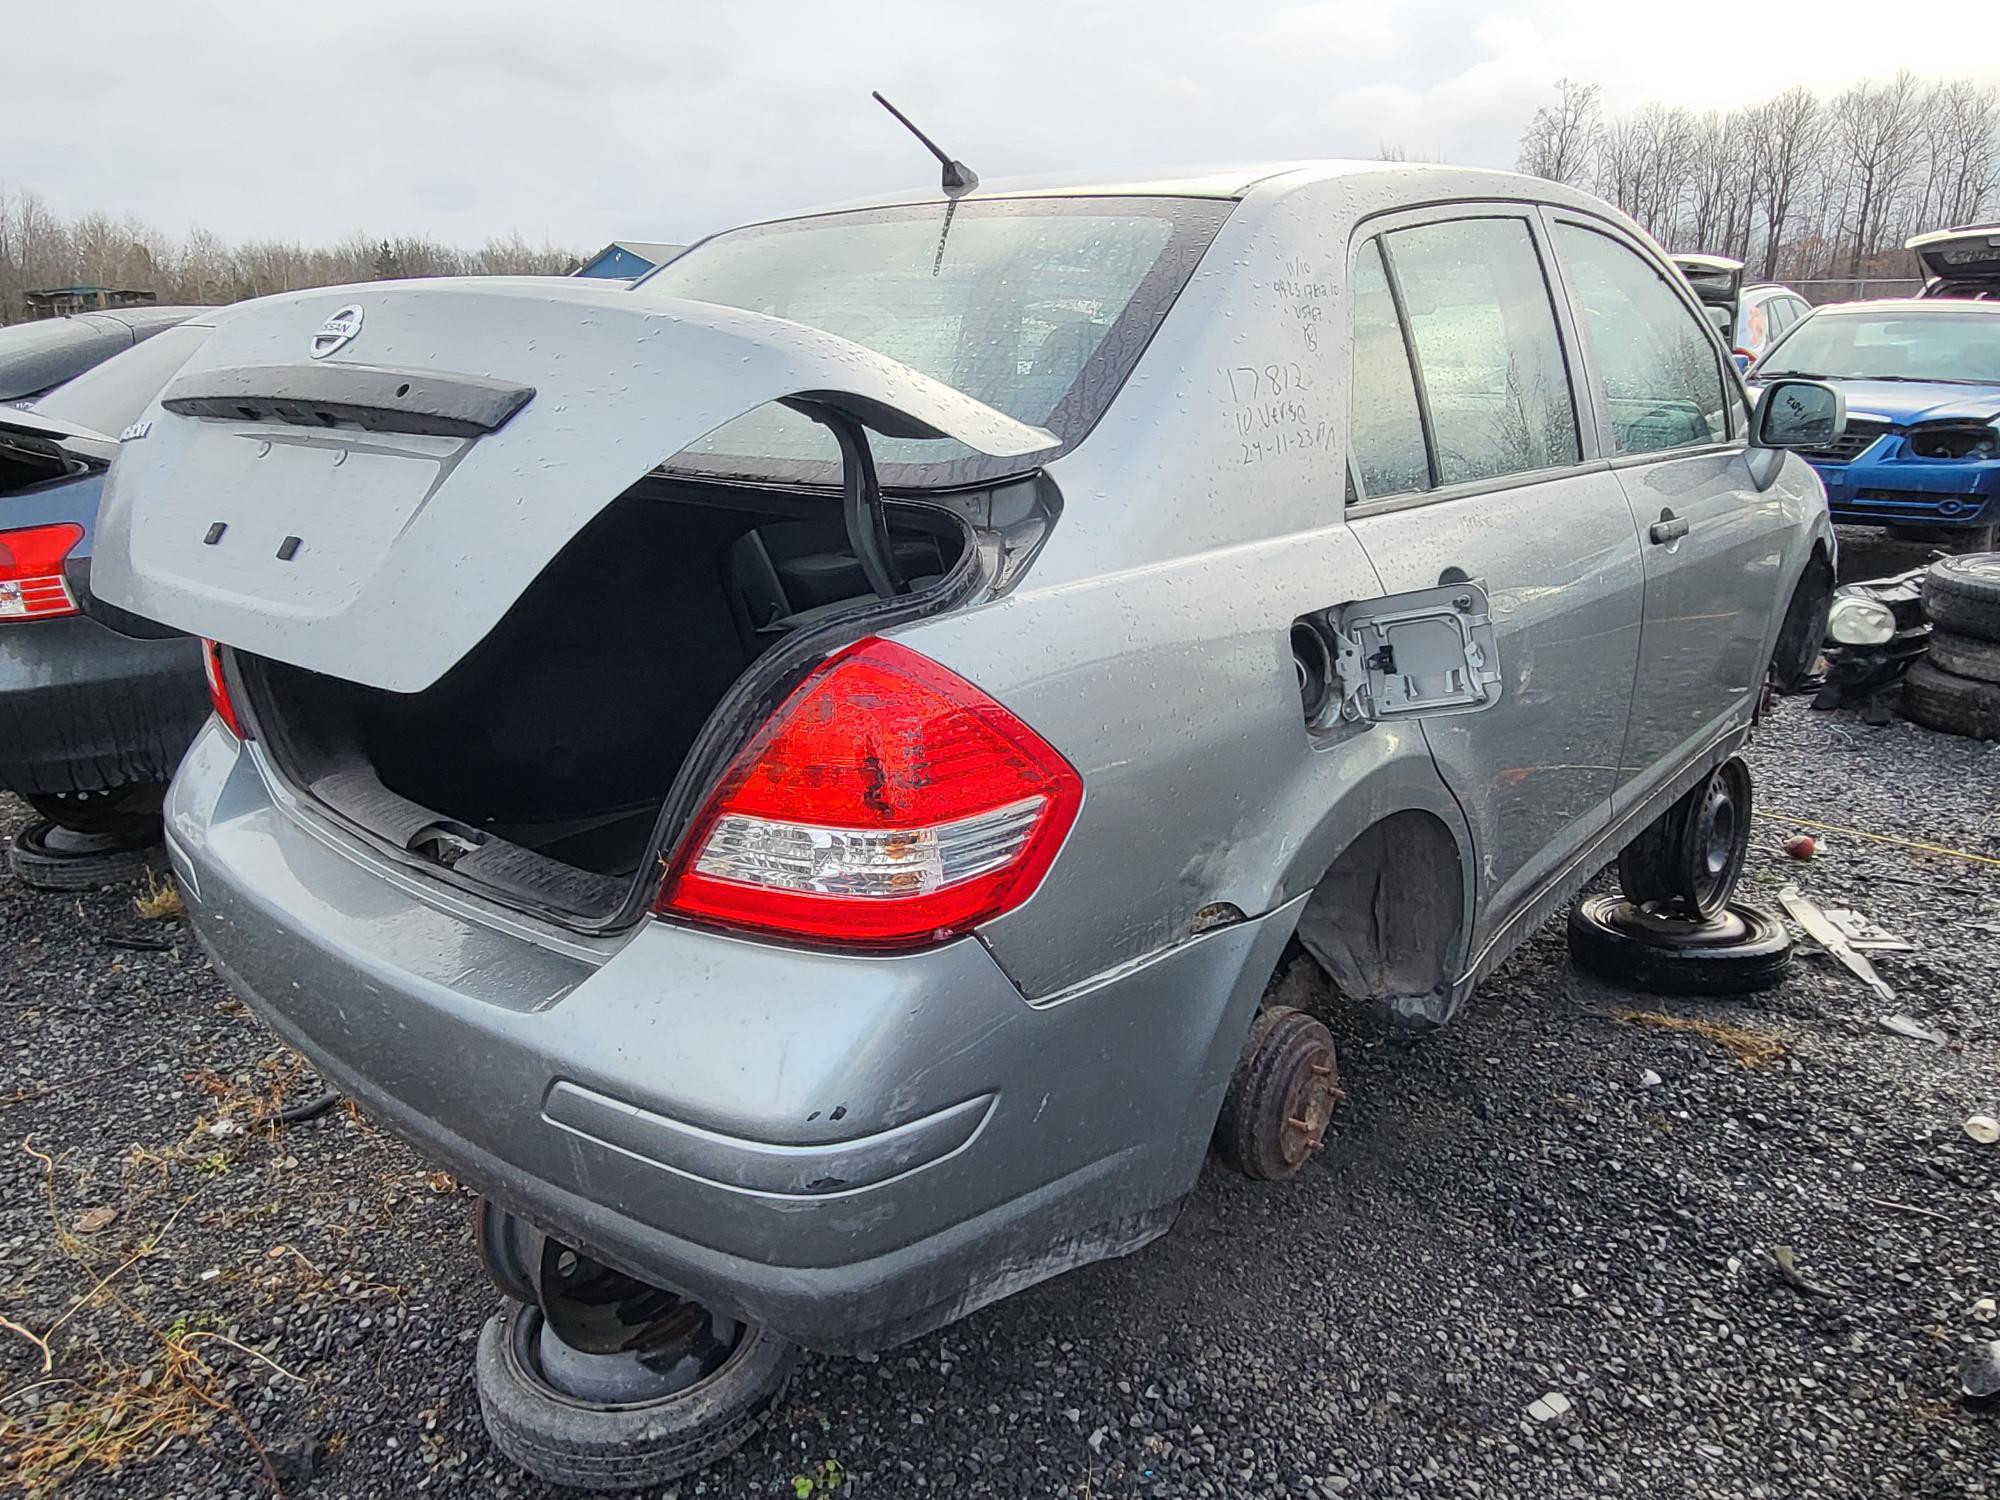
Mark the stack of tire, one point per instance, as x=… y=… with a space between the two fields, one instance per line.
x=1956 y=686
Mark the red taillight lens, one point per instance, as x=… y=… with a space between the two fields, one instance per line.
x=218 y=688
x=887 y=803
x=32 y=586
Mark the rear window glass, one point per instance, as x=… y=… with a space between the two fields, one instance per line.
x=1892 y=346
x=109 y=398
x=1037 y=307
x=37 y=355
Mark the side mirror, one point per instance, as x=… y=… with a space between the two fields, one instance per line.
x=1798 y=414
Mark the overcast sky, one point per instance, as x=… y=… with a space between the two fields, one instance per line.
x=576 y=123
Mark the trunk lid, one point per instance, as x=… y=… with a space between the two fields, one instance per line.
x=1960 y=259
x=361 y=481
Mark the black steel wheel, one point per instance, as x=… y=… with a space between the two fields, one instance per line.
x=1740 y=949
x=131 y=812
x=1281 y=1096
x=1689 y=859
x=625 y=1421
x=51 y=858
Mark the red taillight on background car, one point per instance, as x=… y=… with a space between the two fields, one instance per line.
x=218 y=688
x=32 y=586
x=887 y=803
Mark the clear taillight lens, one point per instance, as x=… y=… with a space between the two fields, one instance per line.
x=32 y=586
x=887 y=803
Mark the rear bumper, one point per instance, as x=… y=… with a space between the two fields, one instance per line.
x=84 y=708
x=848 y=1150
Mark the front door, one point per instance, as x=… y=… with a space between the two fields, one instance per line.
x=1469 y=466
x=1674 y=422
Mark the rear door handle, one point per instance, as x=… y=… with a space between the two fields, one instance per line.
x=1669 y=528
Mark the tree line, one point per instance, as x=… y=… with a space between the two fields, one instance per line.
x=1803 y=186
x=40 y=248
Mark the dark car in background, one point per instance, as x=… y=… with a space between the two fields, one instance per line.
x=1921 y=451
x=37 y=357
x=96 y=705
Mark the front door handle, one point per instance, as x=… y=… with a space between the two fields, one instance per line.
x=1669 y=528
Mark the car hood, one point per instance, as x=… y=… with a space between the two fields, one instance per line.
x=1908 y=402
x=360 y=481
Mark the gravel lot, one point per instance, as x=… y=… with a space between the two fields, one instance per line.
x=1508 y=1209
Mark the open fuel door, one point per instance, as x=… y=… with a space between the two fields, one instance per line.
x=1411 y=655
x=362 y=481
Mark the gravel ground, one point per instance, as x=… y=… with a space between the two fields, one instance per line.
x=1508 y=1209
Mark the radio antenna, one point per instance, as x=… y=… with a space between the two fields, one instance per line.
x=958 y=178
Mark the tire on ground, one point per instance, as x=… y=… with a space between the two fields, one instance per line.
x=588 y=1446
x=1755 y=961
x=1962 y=595
x=1965 y=656
x=1936 y=699
x=35 y=863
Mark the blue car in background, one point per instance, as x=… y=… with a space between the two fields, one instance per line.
x=96 y=706
x=1921 y=450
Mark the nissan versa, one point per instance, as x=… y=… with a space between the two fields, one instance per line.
x=794 y=779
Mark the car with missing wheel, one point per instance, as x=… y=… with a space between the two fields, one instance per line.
x=794 y=779
x=96 y=705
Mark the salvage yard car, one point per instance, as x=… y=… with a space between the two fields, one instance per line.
x=1921 y=449
x=794 y=779
x=96 y=705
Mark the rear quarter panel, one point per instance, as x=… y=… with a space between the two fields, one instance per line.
x=1150 y=644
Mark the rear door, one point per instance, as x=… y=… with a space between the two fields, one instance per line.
x=360 y=482
x=1673 y=424
x=1477 y=491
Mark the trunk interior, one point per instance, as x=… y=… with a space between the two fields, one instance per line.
x=539 y=764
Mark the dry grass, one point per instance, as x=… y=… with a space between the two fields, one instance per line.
x=1751 y=1048
x=115 y=1412
x=160 y=900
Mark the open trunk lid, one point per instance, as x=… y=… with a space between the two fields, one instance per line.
x=361 y=481
x=1717 y=281
x=1960 y=260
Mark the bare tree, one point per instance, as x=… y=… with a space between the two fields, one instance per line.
x=1787 y=136
x=1875 y=127
x=1561 y=141
x=41 y=249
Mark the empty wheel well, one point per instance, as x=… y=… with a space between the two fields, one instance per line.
x=1387 y=919
x=1803 y=629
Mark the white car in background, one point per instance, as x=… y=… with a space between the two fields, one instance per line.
x=1749 y=318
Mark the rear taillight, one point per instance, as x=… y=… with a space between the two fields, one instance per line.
x=32 y=586
x=218 y=689
x=887 y=803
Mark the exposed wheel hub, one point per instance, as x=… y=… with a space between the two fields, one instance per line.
x=1307 y=1104
x=1281 y=1097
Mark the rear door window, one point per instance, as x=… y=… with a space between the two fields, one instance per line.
x=1495 y=385
x=1662 y=377
x=1386 y=426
